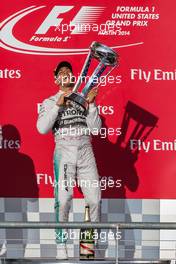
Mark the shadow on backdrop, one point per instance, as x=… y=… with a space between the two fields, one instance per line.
x=117 y=160
x=18 y=177
x=17 y=181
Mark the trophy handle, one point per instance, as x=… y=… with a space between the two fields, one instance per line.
x=83 y=72
x=98 y=71
x=107 y=74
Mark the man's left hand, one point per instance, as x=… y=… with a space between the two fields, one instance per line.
x=91 y=95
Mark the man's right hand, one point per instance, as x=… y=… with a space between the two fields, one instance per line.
x=61 y=100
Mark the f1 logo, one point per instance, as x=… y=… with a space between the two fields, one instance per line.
x=86 y=15
x=52 y=19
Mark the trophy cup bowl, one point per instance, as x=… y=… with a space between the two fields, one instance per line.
x=103 y=52
x=106 y=57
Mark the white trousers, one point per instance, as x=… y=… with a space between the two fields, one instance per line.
x=74 y=161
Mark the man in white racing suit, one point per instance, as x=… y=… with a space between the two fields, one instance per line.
x=73 y=155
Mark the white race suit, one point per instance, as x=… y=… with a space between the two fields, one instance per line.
x=73 y=156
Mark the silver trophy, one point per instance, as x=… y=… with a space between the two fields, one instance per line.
x=107 y=58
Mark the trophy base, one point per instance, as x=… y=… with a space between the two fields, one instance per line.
x=79 y=100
